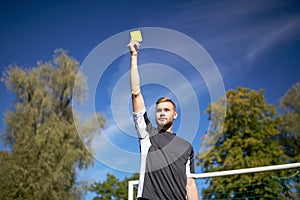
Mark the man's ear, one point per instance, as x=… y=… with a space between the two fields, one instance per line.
x=175 y=116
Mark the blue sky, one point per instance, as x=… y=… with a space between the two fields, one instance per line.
x=253 y=44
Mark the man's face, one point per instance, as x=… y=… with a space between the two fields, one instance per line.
x=165 y=115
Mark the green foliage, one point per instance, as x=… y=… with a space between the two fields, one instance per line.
x=290 y=185
x=112 y=188
x=290 y=137
x=290 y=127
x=246 y=140
x=45 y=147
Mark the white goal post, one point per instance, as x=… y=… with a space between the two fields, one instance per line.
x=131 y=184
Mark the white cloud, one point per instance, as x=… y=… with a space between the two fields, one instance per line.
x=272 y=34
x=237 y=32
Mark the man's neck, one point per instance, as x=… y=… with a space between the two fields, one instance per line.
x=166 y=129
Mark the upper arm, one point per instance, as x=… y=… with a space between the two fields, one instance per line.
x=191 y=187
x=141 y=123
x=190 y=166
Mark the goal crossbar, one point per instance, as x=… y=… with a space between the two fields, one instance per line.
x=131 y=184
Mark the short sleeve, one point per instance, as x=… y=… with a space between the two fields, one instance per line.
x=140 y=124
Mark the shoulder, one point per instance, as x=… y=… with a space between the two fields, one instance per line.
x=183 y=144
x=183 y=141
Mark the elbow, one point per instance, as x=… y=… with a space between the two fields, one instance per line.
x=189 y=185
x=192 y=192
x=135 y=92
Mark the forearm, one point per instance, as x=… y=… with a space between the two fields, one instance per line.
x=192 y=192
x=134 y=75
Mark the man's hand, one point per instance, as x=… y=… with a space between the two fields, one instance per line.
x=133 y=46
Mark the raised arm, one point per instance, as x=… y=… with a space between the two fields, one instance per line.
x=138 y=104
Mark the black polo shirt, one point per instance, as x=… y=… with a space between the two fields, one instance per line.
x=166 y=159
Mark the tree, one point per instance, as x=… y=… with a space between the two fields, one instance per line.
x=290 y=127
x=112 y=188
x=45 y=147
x=246 y=140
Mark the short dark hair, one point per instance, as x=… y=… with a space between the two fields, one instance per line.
x=165 y=99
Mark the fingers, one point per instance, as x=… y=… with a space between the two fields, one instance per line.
x=133 y=46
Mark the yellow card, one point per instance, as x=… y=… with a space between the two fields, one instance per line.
x=136 y=35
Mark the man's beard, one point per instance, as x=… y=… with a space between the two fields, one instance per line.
x=164 y=126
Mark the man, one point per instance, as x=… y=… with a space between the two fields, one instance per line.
x=166 y=159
